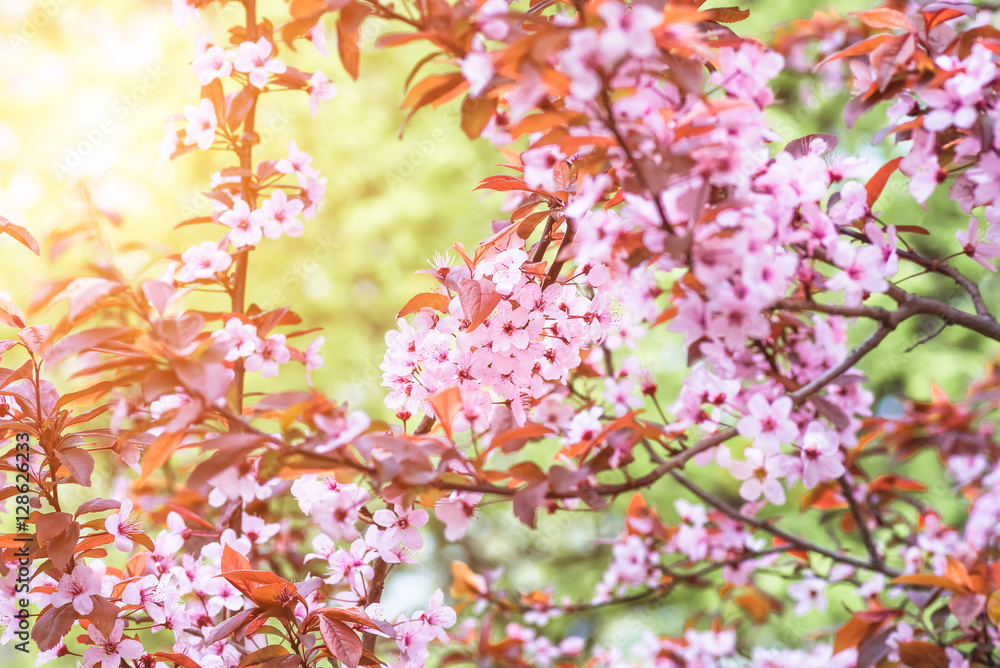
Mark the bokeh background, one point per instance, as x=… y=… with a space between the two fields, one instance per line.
x=86 y=86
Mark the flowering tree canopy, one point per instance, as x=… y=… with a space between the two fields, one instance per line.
x=652 y=203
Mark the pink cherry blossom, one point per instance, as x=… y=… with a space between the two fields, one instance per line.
x=983 y=252
x=761 y=473
x=201 y=124
x=477 y=68
x=821 y=456
x=203 y=261
x=77 y=588
x=863 y=271
x=437 y=616
x=246 y=229
x=299 y=163
x=768 y=423
x=268 y=355
x=255 y=59
x=320 y=89
x=212 y=64
x=314 y=360
x=455 y=511
x=147 y=594
x=539 y=164
x=110 y=650
x=808 y=593
x=121 y=525
x=402 y=525
x=279 y=215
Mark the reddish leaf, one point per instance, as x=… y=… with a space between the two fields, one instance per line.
x=234 y=561
x=159 y=452
x=91 y=339
x=228 y=627
x=263 y=655
x=240 y=106
x=434 y=300
x=527 y=500
x=52 y=625
x=476 y=114
x=519 y=435
x=883 y=18
x=861 y=48
x=213 y=93
x=435 y=90
x=726 y=14
x=928 y=580
x=478 y=298
x=446 y=404
x=877 y=182
x=22 y=235
x=966 y=608
x=342 y=642
x=348 y=32
x=11 y=315
x=35 y=336
x=920 y=654
x=78 y=462
x=176 y=659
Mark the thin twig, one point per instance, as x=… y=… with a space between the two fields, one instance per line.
x=866 y=534
x=798 y=541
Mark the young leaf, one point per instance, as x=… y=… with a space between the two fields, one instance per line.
x=342 y=642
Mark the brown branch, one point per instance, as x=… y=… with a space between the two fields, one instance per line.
x=639 y=174
x=545 y=240
x=668 y=465
x=557 y=263
x=866 y=534
x=869 y=344
x=374 y=596
x=799 y=542
x=245 y=152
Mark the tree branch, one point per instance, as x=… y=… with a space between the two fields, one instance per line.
x=799 y=542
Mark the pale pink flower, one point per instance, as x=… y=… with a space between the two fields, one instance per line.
x=437 y=616
x=212 y=64
x=279 y=214
x=761 y=474
x=255 y=60
x=538 y=166
x=320 y=88
x=863 y=271
x=456 y=511
x=169 y=143
x=402 y=526
x=201 y=124
x=203 y=261
x=268 y=356
x=246 y=229
x=983 y=252
x=314 y=360
x=477 y=69
x=111 y=650
x=768 y=423
x=121 y=525
x=239 y=338
x=808 y=593
x=299 y=163
x=821 y=456
x=145 y=593
x=77 y=588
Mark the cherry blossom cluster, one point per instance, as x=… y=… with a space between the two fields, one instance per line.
x=533 y=337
